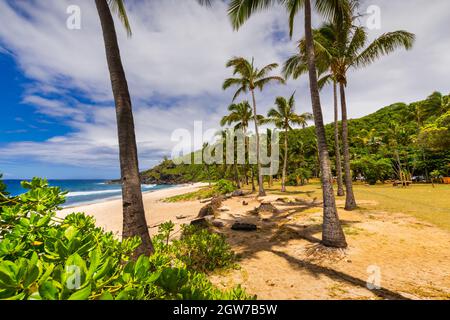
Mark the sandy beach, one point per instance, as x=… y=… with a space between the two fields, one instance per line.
x=108 y=214
x=285 y=254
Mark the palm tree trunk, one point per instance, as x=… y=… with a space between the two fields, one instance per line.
x=283 y=179
x=244 y=130
x=350 y=202
x=261 y=192
x=253 y=178
x=134 y=221
x=337 y=149
x=332 y=233
x=236 y=176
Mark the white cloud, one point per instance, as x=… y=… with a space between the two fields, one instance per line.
x=175 y=65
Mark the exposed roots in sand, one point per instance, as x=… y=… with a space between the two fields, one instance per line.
x=318 y=253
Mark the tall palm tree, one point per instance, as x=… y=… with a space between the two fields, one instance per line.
x=224 y=136
x=251 y=78
x=240 y=114
x=283 y=117
x=297 y=65
x=346 y=47
x=240 y=11
x=134 y=221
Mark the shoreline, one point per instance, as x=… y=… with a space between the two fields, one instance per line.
x=108 y=213
x=117 y=197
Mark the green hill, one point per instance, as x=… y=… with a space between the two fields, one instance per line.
x=414 y=137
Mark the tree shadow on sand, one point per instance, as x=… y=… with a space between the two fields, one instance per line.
x=277 y=229
x=317 y=270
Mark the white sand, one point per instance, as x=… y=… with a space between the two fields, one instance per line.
x=108 y=214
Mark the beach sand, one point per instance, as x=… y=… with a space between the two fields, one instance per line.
x=108 y=214
x=283 y=258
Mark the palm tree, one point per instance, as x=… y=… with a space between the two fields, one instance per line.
x=240 y=11
x=283 y=117
x=251 y=78
x=134 y=221
x=297 y=65
x=205 y=148
x=436 y=103
x=346 y=46
x=240 y=114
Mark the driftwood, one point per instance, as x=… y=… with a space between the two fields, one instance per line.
x=211 y=208
x=200 y=222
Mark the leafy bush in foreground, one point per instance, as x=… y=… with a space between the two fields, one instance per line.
x=199 y=249
x=44 y=257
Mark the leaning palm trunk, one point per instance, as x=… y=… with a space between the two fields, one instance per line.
x=332 y=233
x=261 y=191
x=134 y=222
x=337 y=148
x=283 y=179
x=350 y=202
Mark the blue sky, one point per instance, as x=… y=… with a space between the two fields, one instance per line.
x=58 y=118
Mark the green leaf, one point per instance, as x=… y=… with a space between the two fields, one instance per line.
x=106 y=296
x=82 y=294
x=48 y=291
x=7 y=274
x=70 y=233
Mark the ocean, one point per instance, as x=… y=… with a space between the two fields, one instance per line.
x=83 y=191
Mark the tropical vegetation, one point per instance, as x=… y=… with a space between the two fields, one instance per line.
x=44 y=257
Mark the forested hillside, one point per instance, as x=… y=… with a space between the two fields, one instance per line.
x=410 y=138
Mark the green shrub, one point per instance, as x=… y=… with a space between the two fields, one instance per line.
x=202 y=250
x=373 y=169
x=220 y=188
x=45 y=257
x=224 y=186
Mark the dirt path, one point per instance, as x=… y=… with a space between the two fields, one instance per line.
x=283 y=260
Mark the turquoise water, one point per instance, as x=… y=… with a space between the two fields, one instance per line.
x=82 y=191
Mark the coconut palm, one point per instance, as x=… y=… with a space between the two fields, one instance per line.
x=297 y=65
x=251 y=78
x=240 y=11
x=240 y=115
x=224 y=136
x=134 y=221
x=346 y=48
x=436 y=102
x=283 y=117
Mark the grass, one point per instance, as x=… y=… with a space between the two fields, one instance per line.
x=421 y=201
x=203 y=193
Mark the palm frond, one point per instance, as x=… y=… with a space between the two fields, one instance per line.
x=385 y=44
x=260 y=83
x=265 y=70
x=232 y=82
x=294 y=67
x=357 y=43
x=240 y=11
x=242 y=89
x=325 y=80
x=204 y=2
x=293 y=7
x=118 y=7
